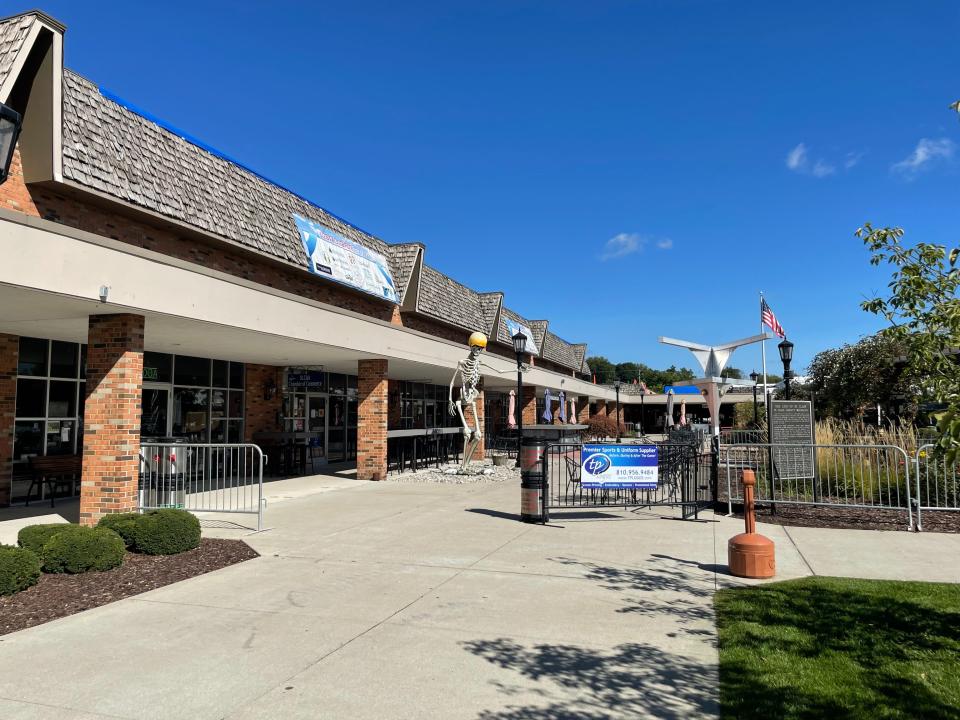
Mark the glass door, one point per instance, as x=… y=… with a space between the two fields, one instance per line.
x=154 y=420
x=337 y=449
x=317 y=426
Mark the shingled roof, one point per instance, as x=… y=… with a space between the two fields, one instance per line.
x=537 y=327
x=13 y=33
x=489 y=306
x=443 y=298
x=558 y=350
x=115 y=151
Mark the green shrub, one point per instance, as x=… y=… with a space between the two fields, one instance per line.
x=80 y=549
x=166 y=532
x=19 y=569
x=34 y=537
x=123 y=524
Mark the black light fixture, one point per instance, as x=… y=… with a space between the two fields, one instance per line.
x=10 y=124
x=616 y=386
x=786 y=357
x=756 y=413
x=519 y=348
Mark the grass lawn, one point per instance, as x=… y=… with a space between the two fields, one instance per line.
x=839 y=648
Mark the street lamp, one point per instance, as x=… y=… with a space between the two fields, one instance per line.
x=519 y=347
x=786 y=357
x=756 y=413
x=10 y=122
x=616 y=386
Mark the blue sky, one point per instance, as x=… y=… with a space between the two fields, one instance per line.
x=624 y=169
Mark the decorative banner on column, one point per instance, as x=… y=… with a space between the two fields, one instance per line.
x=334 y=256
x=619 y=467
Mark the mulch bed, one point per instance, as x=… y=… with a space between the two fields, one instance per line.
x=852 y=518
x=56 y=596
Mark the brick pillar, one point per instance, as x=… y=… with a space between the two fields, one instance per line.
x=260 y=413
x=9 y=351
x=111 y=418
x=529 y=405
x=600 y=409
x=583 y=410
x=372 y=419
x=478 y=454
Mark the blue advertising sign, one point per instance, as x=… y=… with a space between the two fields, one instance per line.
x=619 y=467
x=336 y=257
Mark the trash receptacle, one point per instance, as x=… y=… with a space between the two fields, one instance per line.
x=164 y=485
x=533 y=480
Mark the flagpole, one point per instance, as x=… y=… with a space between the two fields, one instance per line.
x=763 y=350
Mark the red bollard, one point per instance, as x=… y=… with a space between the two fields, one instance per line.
x=751 y=555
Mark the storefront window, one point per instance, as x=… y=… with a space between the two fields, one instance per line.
x=31 y=398
x=191 y=371
x=63 y=399
x=191 y=407
x=33 y=357
x=221 y=373
x=156 y=367
x=63 y=359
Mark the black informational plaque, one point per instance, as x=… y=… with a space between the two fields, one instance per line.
x=791 y=423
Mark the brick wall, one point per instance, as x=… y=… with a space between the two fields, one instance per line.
x=111 y=419
x=14 y=195
x=583 y=410
x=481 y=447
x=9 y=351
x=261 y=414
x=599 y=409
x=372 y=413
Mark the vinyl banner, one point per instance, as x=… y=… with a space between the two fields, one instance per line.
x=513 y=327
x=619 y=467
x=343 y=260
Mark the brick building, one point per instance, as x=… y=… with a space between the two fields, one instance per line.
x=152 y=287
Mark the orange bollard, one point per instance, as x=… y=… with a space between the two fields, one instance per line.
x=751 y=555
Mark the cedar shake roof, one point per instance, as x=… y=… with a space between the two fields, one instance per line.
x=13 y=33
x=560 y=351
x=490 y=306
x=444 y=299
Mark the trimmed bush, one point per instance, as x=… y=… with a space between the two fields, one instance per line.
x=166 y=532
x=34 y=537
x=123 y=524
x=19 y=569
x=81 y=549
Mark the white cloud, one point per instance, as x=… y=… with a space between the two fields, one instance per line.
x=797 y=158
x=822 y=169
x=926 y=152
x=665 y=244
x=852 y=160
x=622 y=244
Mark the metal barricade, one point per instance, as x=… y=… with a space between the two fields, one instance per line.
x=851 y=476
x=937 y=481
x=202 y=477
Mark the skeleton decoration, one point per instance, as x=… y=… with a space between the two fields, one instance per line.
x=469 y=370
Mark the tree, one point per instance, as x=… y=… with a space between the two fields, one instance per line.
x=923 y=313
x=601 y=368
x=732 y=373
x=627 y=371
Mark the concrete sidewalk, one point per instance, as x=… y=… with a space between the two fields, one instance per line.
x=390 y=600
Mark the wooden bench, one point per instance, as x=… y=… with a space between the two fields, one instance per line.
x=53 y=470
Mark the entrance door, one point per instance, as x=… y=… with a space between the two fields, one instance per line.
x=154 y=420
x=317 y=427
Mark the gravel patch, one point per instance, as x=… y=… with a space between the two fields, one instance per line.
x=480 y=472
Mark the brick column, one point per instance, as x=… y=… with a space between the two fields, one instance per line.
x=9 y=352
x=600 y=409
x=529 y=405
x=583 y=410
x=111 y=419
x=478 y=454
x=261 y=414
x=372 y=419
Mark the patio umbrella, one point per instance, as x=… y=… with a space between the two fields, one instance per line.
x=562 y=411
x=683 y=411
x=573 y=410
x=670 y=409
x=511 y=420
x=547 y=405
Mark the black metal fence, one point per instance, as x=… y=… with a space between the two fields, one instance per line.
x=686 y=479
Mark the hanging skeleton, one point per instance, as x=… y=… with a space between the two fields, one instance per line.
x=469 y=370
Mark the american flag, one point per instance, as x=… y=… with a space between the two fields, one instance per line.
x=769 y=319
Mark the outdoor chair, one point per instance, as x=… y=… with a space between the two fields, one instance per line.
x=52 y=471
x=573 y=478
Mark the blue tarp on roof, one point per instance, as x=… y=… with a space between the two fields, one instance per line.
x=682 y=389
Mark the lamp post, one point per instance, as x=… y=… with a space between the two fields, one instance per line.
x=519 y=347
x=10 y=123
x=756 y=412
x=786 y=357
x=616 y=386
